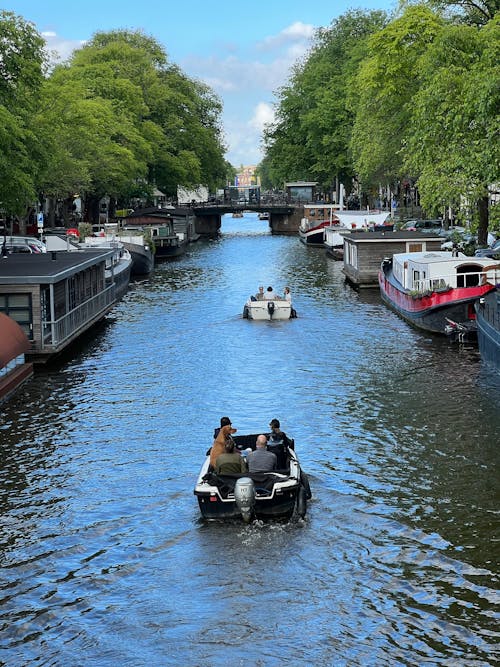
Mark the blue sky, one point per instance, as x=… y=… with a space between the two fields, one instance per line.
x=243 y=51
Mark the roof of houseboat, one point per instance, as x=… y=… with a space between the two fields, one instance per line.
x=20 y=268
x=370 y=237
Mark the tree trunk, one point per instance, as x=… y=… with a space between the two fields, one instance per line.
x=482 y=229
x=92 y=209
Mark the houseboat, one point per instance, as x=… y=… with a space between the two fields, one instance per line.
x=118 y=265
x=430 y=289
x=318 y=218
x=364 y=251
x=488 y=327
x=55 y=296
x=160 y=222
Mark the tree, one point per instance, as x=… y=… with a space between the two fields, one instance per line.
x=22 y=62
x=382 y=96
x=472 y=12
x=453 y=142
x=310 y=138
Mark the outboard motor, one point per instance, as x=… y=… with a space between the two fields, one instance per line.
x=270 y=308
x=244 y=495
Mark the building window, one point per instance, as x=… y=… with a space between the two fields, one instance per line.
x=18 y=308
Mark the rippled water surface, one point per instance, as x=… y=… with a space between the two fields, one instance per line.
x=104 y=558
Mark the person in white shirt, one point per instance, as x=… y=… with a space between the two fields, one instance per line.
x=270 y=293
x=286 y=295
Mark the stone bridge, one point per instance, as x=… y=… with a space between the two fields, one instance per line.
x=283 y=218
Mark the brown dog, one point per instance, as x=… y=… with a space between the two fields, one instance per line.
x=219 y=443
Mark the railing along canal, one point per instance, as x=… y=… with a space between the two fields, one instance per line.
x=58 y=331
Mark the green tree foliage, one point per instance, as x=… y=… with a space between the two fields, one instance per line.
x=382 y=97
x=22 y=62
x=153 y=125
x=453 y=142
x=310 y=137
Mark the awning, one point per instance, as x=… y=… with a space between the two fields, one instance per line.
x=13 y=340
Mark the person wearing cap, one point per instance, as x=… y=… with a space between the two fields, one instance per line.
x=224 y=421
x=260 y=460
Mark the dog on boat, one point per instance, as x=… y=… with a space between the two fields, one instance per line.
x=220 y=443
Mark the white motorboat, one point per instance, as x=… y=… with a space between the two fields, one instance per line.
x=268 y=309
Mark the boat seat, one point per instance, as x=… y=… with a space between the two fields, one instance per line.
x=225 y=483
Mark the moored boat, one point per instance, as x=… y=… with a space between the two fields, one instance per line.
x=118 y=266
x=265 y=495
x=140 y=251
x=488 y=328
x=268 y=309
x=428 y=289
x=322 y=217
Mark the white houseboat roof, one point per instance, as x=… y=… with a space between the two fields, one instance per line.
x=434 y=257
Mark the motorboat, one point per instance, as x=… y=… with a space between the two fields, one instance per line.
x=488 y=327
x=268 y=309
x=433 y=289
x=279 y=494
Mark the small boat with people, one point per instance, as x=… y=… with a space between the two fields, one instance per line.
x=280 y=493
x=434 y=290
x=269 y=306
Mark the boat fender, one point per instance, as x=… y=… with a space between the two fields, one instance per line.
x=301 y=502
x=304 y=481
x=270 y=308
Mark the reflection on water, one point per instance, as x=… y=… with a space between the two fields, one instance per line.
x=104 y=555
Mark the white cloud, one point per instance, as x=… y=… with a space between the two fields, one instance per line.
x=60 y=49
x=296 y=32
x=263 y=115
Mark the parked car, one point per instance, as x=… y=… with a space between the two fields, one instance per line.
x=493 y=251
x=422 y=225
x=460 y=239
x=21 y=244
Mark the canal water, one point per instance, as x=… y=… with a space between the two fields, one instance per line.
x=104 y=558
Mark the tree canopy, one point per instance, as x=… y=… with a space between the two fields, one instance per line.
x=380 y=101
x=22 y=66
x=116 y=119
